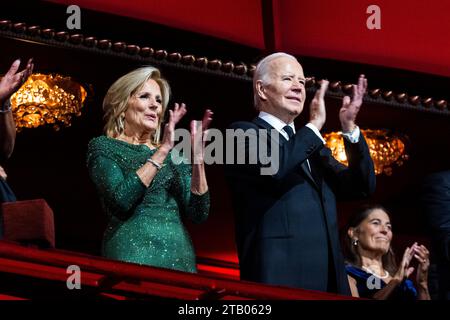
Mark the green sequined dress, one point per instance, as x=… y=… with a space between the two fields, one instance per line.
x=145 y=225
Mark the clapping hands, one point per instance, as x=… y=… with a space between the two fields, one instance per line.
x=350 y=106
x=175 y=116
x=13 y=80
x=317 y=107
x=198 y=137
x=421 y=254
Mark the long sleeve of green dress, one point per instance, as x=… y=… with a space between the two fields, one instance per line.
x=145 y=224
x=191 y=202
x=121 y=192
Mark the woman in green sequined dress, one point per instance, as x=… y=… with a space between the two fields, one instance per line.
x=144 y=193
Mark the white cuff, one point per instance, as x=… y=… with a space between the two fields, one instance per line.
x=316 y=131
x=352 y=136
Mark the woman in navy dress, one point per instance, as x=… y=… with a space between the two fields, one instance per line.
x=371 y=267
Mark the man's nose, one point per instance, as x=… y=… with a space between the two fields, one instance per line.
x=297 y=85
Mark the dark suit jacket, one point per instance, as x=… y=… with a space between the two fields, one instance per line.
x=286 y=224
x=436 y=200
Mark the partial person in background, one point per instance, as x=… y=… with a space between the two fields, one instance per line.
x=371 y=266
x=144 y=193
x=436 y=201
x=9 y=84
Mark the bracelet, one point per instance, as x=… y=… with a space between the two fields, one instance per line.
x=155 y=164
x=6 y=106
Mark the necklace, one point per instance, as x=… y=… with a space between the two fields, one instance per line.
x=386 y=273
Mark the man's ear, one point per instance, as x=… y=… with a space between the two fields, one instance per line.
x=261 y=90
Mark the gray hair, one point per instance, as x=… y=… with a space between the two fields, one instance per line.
x=116 y=99
x=262 y=72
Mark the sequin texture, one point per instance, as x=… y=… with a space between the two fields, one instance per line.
x=145 y=225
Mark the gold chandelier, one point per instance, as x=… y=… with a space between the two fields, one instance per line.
x=386 y=149
x=47 y=99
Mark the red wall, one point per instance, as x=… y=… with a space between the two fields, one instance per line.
x=414 y=34
x=239 y=20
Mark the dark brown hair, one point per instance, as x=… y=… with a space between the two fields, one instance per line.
x=350 y=251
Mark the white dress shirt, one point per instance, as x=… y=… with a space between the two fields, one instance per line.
x=278 y=125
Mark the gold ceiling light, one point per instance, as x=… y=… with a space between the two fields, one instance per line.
x=47 y=99
x=386 y=149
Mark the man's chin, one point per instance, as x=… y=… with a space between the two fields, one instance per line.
x=295 y=112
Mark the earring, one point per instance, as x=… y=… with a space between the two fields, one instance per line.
x=355 y=242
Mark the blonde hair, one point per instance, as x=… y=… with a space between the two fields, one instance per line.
x=116 y=99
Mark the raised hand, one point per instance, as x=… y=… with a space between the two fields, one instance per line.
x=175 y=116
x=422 y=254
x=198 y=137
x=3 y=174
x=207 y=119
x=317 y=110
x=13 y=80
x=177 y=113
x=350 y=106
x=404 y=270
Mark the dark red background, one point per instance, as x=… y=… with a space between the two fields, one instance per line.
x=413 y=35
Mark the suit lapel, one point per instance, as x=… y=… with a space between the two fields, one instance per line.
x=304 y=166
x=263 y=124
x=260 y=122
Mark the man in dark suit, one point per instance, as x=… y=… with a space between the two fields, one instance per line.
x=436 y=200
x=286 y=224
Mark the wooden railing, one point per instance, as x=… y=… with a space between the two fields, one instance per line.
x=28 y=273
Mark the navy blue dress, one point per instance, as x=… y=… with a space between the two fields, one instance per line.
x=368 y=287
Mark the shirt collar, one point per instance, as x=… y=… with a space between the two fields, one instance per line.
x=275 y=122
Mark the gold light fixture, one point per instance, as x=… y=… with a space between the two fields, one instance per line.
x=47 y=99
x=386 y=149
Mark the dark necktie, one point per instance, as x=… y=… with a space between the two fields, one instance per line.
x=289 y=131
